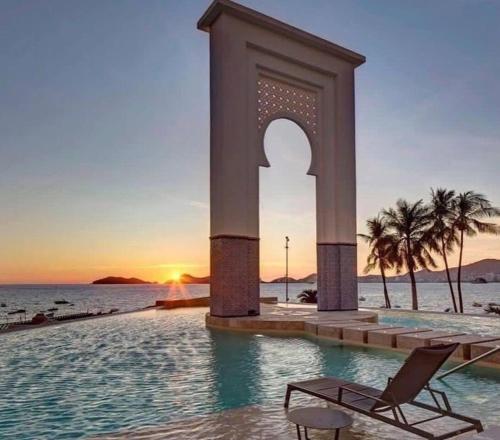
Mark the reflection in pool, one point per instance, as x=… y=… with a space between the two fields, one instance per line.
x=152 y=367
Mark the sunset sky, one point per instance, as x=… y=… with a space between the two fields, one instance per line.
x=104 y=130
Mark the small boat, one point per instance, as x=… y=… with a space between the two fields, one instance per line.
x=52 y=309
x=476 y=304
x=362 y=298
x=479 y=280
x=15 y=312
x=3 y=305
x=61 y=301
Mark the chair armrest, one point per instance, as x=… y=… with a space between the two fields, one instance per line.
x=342 y=388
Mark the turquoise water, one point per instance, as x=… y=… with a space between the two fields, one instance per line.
x=148 y=368
x=479 y=325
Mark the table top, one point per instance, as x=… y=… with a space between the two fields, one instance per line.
x=319 y=418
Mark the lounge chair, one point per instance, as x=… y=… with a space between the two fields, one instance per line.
x=403 y=389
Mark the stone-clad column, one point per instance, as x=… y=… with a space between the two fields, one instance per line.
x=234 y=276
x=336 y=205
x=234 y=178
x=337 y=277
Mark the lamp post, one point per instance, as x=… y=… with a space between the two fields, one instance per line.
x=286 y=268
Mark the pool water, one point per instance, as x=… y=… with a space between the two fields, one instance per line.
x=148 y=368
x=479 y=325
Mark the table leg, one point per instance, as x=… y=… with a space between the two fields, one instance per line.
x=298 y=432
x=337 y=434
x=305 y=430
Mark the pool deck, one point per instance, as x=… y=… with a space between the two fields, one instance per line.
x=358 y=327
x=268 y=422
x=290 y=319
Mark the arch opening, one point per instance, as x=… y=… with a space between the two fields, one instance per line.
x=287 y=203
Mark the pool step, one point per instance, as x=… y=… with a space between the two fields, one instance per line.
x=359 y=333
x=464 y=349
x=336 y=330
x=414 y=340
x=387 y=337
x=357 y=327
x=483 y=347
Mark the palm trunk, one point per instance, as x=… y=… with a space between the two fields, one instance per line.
x=459 y=275
x=452 y=293
x=386 y=293
x=414 y=297
x=409 y=263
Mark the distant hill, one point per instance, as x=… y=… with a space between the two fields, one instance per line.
x=311 y=279
x=488 y=269
x=120 y=280
x=185 y=278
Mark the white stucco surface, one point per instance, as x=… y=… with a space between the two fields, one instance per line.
x=262 y=70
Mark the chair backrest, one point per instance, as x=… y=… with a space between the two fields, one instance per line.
x=415 y=374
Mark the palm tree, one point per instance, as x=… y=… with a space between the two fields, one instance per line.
x=409 y=224
x=308 y=296
x=442 y=230
x=381 y=250
x=470 y=207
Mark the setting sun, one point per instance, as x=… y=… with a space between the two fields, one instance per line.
x=175 y=276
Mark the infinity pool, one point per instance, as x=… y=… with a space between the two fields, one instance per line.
x=148 y=368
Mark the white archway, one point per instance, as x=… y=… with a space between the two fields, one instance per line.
x=287 y=202
x=262 y=69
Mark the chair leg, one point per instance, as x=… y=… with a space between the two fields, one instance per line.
x=287 y=397
x=337 y=434
x=305 y=430
x=298 y=432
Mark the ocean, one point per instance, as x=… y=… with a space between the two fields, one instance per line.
x=95 y=298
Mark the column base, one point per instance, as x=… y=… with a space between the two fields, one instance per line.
x=337 y=277
x=234 y=276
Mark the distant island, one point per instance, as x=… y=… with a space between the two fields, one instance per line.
x=309 y=279
x=121 y=280
x=186 y=278
x=480 y=272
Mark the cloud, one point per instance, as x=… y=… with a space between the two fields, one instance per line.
x=197 y=204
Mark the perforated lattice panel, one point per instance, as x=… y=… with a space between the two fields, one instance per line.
x=276 y=98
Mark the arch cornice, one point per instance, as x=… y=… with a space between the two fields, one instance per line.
x=226 y=6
